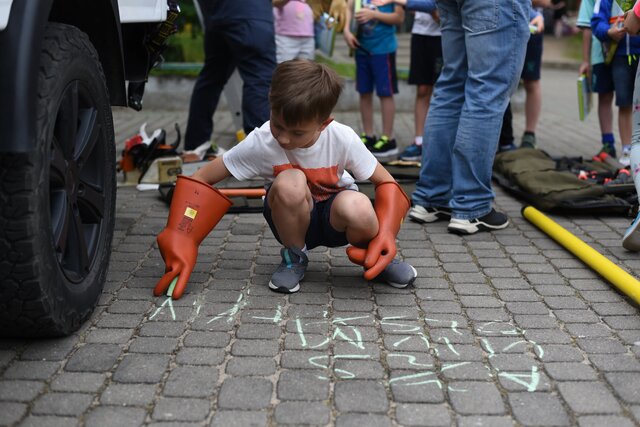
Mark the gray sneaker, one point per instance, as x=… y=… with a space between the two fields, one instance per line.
x=290 y=272
x=399 y=274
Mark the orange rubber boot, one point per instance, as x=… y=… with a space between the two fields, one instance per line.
x=391 y=205
x=196 y=208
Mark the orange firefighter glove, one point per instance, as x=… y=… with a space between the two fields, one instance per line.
x=338 y=9
x=391 y=205
x=195 y=209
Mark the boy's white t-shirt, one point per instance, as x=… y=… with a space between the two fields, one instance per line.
x=325 y=164
x=425 y=25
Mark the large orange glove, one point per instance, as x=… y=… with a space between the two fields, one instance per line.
x=195 y=209
x=391 y=205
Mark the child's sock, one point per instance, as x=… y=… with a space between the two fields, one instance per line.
x=418 y=140
x=609 y=143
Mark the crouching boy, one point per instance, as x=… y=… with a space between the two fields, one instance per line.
x=309 y=161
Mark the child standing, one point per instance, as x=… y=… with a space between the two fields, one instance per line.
x=311 y=198
x=375 y=47
x=293 y=21
x=623 y=66
x=599 y=76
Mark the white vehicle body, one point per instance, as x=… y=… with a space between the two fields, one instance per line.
x=130 y=11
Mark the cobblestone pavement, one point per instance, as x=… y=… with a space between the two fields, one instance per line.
x=500 y=328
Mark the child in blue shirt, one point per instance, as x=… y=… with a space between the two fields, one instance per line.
x=623 y=66
x=375 y=48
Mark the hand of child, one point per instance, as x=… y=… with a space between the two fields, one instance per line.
x=616 y=32
x=632 y=22
x=351 y=40
x=585 y=68
x=381 y=2
x=538 y=22
x=365 y=15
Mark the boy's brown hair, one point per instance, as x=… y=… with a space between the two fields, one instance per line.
x=302 y=90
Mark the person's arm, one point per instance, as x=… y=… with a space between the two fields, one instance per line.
x=632 y=20
x=394 y=18
x=391 y=205
x=542 y=3
x=585 y=67
x=427 y=6
x=280 y=3
x=600 y=24
x=213 y=172
x=349 y=37
x=537 y=20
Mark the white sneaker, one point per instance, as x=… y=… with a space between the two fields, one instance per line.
x=625 y=159
x=421 y=214
x=631 y=238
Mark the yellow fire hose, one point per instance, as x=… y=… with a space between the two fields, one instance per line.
x=622 y=280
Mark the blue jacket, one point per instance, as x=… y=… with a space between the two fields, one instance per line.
x=600 y=25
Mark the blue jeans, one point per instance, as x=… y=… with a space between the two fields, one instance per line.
x=483 y=47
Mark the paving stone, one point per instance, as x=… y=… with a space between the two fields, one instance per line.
x=56 y=349
x=86 y=382
x=94 y=358
x=625 y=385
x=409 y=414
x=570 y=371
x=601 y=345
x=466 y=371
x=604 y=420
x=615 y=362
x=359 y=420
x=245 y=393
x=560 y=353
x=247 y=366
x=161 y=329
x=416 y=387
x=191 y=381
x=128 y=394
x=153 y=345
x=255 y=348
x=48 y=421
x=486 y=420
x=182 y=409
x=138 y=368
x=115 y=416
x=239 y=419
x=539 y=409
x=207 y=339
x=589 y=397
x=302 y=385
x=11 y=412
x=30 y=370
x=20 y=391
x=548 y=336
x=513 y=362
x=535 y=321
x=200 y=356
x=65 y=404
x=315 y=413
x=361 y=396
x=470 y=398
x=576 y=316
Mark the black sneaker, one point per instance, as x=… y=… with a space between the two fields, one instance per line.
x=368 y=141
x=384 y=147
x=422 y=215
x=528 y=141
x=494 y=220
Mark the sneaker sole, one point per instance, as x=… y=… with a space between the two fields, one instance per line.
x=420 y=219
x=393 y=152
x=631 y=239
x=411 y=158
x=284 y=290
x=467 y=229
x=404 y=285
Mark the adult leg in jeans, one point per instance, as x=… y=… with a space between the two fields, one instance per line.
x=433 y=188
x=496 y=34
x=256 y=56
x=219 y=64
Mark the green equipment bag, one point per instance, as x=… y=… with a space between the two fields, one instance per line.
x=564 y=185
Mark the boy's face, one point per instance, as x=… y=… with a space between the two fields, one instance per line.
x=302 y=135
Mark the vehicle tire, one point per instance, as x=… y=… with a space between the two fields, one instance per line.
x=57 y=203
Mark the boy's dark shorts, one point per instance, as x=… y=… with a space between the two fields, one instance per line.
x=533 y=58
x=376 y=70
x=624 y=77
x=601 y=78
x=426 y=59
x=320 y=231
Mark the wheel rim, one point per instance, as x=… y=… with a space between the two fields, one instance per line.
x=76 y=183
